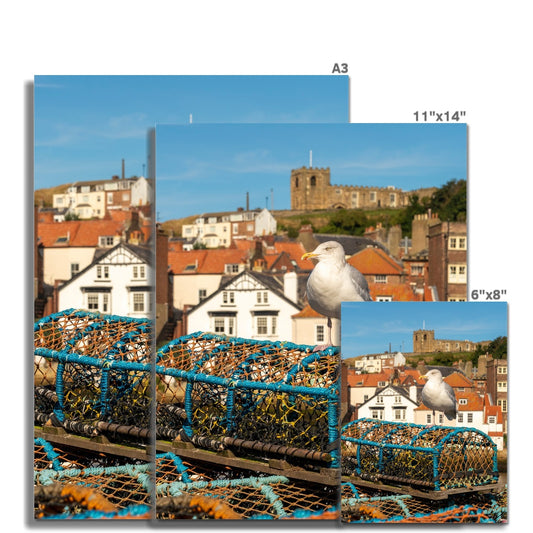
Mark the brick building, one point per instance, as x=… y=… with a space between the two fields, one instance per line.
x=447 y=258
x=497 y=384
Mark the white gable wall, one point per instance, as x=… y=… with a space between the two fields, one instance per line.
x=111 y=288
x=242 y=311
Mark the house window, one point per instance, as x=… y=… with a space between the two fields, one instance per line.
x=469 y=418
x=262 y=297
x=262 y=325
x=219 y=325
x=459 y=418
x=109 y=197
x=98 y=302
x=107 y=240
x=463 y=401
x=392 y=199
x=399 y=414
x=379 y=399
x=92 y=302
x=266 y=325
x=235 y=229
x=492 y=420
x=139 y=272
x=224 y=325
x=102 y=272
x=373 y=196
x=383 y=298
x=202 y=294
x=503 y=405
x=417 y=270
x=502 y=386
x=313 y=181
x=380 y=278
x=457 y=243
x=457 y=273
x=74 y=269
x=429 y=419
x=228 y=297
x=138 y=302
x=377 y=414
x=319 y=334
x=502 y=370
x=397 y=399
x=232 y=268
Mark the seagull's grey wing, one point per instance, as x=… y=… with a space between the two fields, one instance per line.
x=360 y=283
x=450 y=393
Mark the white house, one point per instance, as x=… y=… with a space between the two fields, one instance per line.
x=141 y=192
x=473 y=410
x=310 y=327
x=251 y=305
x=216 y=230
x=265 y=223
x=119 y=281
x=91 y=199
x=390 y=403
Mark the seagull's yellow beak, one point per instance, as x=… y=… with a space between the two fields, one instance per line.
x=308 y=255
x=424 y=376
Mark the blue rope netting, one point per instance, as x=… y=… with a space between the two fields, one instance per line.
x=218 y=370
x=437 y=457
x=101 y=360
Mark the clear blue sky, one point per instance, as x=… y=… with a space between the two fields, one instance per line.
x=210 y=167
x=370 y=327
x=86 y=125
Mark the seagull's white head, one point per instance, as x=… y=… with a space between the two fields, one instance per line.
x=330 y=251
x=433 y=375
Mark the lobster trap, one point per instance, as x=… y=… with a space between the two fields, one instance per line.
x=258 y=397
x=437 y=458
x=197 y=490
x=92 y=372
x=358 y=506
x=69 y=484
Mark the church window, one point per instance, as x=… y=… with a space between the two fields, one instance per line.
x=313 y=181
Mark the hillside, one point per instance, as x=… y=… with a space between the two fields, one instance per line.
x=44 y=197
x=449 y=202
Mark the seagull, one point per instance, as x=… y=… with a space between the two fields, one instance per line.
x=333 y=281
x=438 y=395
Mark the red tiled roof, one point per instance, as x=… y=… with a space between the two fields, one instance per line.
x=375 y=261
x=308 y=312
x=457 y=379
x=79 y=232
x=399 y=292
x=205 y=261
x=295 y=251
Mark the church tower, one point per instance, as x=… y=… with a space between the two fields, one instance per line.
x=310 y=188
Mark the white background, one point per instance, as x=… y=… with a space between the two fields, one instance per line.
x=402 y=56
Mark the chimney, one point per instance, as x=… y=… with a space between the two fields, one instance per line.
x=290 y=286
x=247 y=201
x=413 y=393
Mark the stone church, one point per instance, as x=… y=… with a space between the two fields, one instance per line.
x=311 y=189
